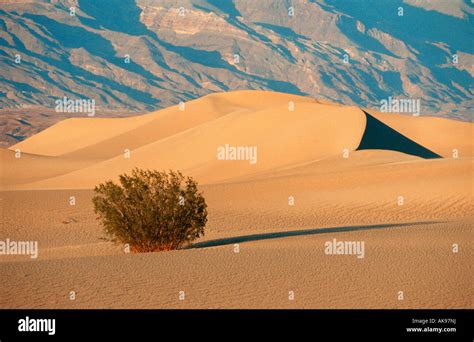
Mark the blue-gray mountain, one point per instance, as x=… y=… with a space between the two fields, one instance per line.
x=135 y=56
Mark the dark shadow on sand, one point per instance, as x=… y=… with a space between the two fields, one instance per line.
x=305 y=232
x=379 y=136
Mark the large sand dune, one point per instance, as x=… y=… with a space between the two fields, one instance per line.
x=346 y=168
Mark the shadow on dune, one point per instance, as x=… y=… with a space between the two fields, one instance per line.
x=277 y=235
x=379 y=136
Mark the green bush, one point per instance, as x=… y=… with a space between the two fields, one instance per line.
x=151 y=210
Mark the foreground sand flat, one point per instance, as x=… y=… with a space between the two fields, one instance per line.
x=415 y=258
x=408 y=245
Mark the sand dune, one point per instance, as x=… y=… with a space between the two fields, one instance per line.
x=195 y=150
x=27 y=167
x=94 y=149
x=108 y=137
x=345 y=168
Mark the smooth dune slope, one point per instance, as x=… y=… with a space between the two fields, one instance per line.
x=107 y=137
x=17 y=168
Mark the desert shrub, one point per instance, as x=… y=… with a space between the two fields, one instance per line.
x=151 y=210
